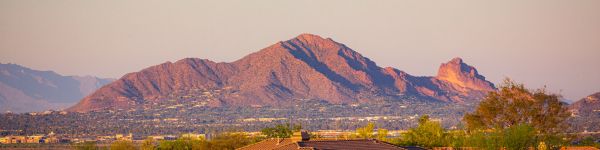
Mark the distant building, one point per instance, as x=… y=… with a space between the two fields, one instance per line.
x=302 y=141
x=15 y=139
x=170 y=137
x=33 y=139
x=3 y=140
x=193 y=136
x=126 y=138
x=157 y=137
x=51 y=139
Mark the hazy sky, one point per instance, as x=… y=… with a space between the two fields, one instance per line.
x=546 y=42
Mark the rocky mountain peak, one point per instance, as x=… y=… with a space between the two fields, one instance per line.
x=587 y=106
x=456 y=60
x=594 y=98
x=311 y=38
x=463 y=75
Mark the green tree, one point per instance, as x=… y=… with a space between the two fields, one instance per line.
x=280 y=131
x=556 y=141
x=427 y=134
x=515 y=117
x=457 y=138
x=519 y=137
x=513 y=104
x=382 y=134
x=86 y=146
x=122 y=145
x=148 y=144
x=366 y=132
x=487 y=140
x=183 y=144
x=230 y=141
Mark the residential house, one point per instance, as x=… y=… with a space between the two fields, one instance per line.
x=301 y=140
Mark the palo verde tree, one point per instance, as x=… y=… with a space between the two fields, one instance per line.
x=513 y=104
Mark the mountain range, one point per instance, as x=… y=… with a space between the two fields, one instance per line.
x=305 y=67
x=26 y=90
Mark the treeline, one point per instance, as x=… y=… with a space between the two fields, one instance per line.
x=512 y=118
x=224 y=141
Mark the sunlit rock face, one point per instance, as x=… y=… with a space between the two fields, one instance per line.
x=462 y=81
x=463 y=76
x=305 y=67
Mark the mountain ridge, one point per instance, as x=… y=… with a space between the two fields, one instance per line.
x=585 y=113
x=587 y=105
x=305 y=67
x=23 y=89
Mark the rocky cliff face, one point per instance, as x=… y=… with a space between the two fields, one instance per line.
x=462 y=76
x=25 y=90
x=305 y=67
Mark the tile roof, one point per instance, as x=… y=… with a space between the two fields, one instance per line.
x=579 y=148
x=287 y=144
x=272 y=143
x=413 y=148
x=362 y=144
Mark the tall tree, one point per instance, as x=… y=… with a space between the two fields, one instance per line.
x=366 y=132
x=519 y=137
x=428 y=134
x=280 y=131
x=382 y=134
x=228 y=141
x=148 y=144
x=513 y=104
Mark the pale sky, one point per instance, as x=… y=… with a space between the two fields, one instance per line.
x=538 y=42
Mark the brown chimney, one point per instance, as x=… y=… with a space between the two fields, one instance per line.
x=300 y=136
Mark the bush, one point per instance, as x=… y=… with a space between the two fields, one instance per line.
x=280 y=131
x=231 y=141
x=225 y=141
x=86 y=146
x=519 y=137
x=182 y=144
x=122 y=145
x=148 y=144
x=427 y=134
